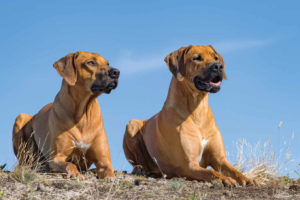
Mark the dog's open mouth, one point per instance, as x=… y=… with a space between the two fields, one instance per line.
x=216 y=82
x=212 y=85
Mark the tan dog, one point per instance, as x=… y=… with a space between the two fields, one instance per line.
x=69 y=132
x=183 y=138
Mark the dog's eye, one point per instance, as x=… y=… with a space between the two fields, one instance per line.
x=216 y=58
x=198 y=58
x=91 y=62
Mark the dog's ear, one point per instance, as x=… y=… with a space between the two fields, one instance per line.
x=222 y=60
x=175 y=62
x=66 y=68
x=224 y=76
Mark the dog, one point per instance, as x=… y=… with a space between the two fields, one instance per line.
x=182 y=140
x=69 y=134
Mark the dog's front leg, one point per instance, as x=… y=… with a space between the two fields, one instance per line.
x=59 y=164
x=228 y=170
x=63 y=149
x=99 y=153
x=195 y=172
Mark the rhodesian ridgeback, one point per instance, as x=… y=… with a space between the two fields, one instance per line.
x=183 y=139
x=69 y=133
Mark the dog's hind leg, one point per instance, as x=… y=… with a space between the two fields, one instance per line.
x=136 y=152
x=24 y=145
x=21 y=132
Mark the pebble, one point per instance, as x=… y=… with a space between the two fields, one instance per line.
x=295 y=187
x=41 y=188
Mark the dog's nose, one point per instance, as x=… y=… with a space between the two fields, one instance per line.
x=216 y=67
x=114 y=73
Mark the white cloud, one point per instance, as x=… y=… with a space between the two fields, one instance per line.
x=131 y=62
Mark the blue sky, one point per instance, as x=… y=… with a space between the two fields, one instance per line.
x=259 y=41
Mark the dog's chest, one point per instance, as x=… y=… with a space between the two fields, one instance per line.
x=83 y=137
x=203 y=145
x=83 y=147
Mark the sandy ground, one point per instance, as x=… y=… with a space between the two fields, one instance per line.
x=126 y=186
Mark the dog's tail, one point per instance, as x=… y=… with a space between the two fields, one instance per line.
x=22 y=132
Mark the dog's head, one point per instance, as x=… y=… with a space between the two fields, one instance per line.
x=201 y=67
x=89 y=71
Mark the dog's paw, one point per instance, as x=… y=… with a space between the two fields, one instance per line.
x=228 y=182
x=253 y=182
x=72 y=172
x=256 y=182
x=248 y=182
x=105 y=174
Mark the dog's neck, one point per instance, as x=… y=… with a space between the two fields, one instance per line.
x=75 y=103
x=185 y=101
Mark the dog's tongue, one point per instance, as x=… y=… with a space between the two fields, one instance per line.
x=217 y=84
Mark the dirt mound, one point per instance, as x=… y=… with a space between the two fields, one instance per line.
x=126 y=186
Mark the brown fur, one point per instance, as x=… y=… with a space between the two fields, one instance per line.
x=74 y=116
x=171 y=141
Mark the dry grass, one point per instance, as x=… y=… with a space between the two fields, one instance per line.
x=297 y=171
x=263 y=162
x=29 y=163
x=53 y=186
x=257 y=161
x=23 y=174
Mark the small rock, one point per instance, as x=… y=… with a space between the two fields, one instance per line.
x=223 y=197
x=41 y=188
x=271 y=192
x=109 y=180
x=227 y=193
x=208 y=184
x=294 y=187
x=137 y=182
x=195 y=181
x=265 y=195
x=58 y=185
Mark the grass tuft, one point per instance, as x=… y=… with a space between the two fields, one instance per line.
x=261 y=161
x=297 y=171
x=176 y=186
x=2 y=167
x=194 y=196
x=24 y=174
x=29 y=163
